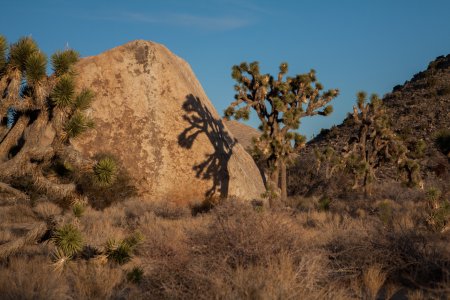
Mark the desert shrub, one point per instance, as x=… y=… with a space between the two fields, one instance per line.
x=68 y=239
x=433 y=195
x=110 y=183
x=442 y=140
x=135 y=275
x=78 y=208
x=406 y=256
x=324 y=203
x=419 y=149
x=170 y=210
x=373 y=280
x=385 y=212
x=93 y=281
x=282 y=277
x=47 y=210
x=105 y=171
x=438 y=209
x=122 y=251
x=246 y=237
x=444 y=91
x=301 y=203
x=31 y=278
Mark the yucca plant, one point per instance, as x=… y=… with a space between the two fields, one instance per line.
x=68 y=239
x=84 y=99
x=105 y=171
x=36 y=68
x=20 y=52
x=78 y=208
x=77 y=125
x=135 y=275
x=60 y=260
x=63 y=94
x=63 y=61
x=121 y=252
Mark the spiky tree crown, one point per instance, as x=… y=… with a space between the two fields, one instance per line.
x=280 y=103
x=44 y=112
x=376 y=143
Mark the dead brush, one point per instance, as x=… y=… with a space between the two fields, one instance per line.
x=243 y=236
x=406 y=258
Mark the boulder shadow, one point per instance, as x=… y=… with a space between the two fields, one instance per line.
x=215 y=166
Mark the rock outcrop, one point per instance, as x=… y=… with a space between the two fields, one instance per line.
x=242 y=132
x=152 y=113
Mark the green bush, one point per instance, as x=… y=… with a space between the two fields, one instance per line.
x=324 y=204
x=135 y=275
x=440 y=216
x=121 y=252
x=68 y=239
x=385 y=212
x=78 y=209
x=105 y=171
x=443 y=141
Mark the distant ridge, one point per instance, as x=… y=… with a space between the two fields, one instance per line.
x=419 y=109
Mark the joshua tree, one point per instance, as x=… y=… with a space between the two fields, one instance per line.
x=328 y=159
x=280 y=104
x=39 y=115
x=375 y=144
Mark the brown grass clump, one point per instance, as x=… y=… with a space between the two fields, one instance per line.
x=93 y=280
x=373 y=279
x=25 y=278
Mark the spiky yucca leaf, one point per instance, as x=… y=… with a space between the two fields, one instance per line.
x=84 y=99
x=134 y=240
x=77 y=125
x=3 y=49
x=135 y=275
x=105 y=171
x=122 y=252
x=78 y=208
x=62 y=61
x=327 y=110
x=20 y=52
x=68 y=239
x=64 y=91
x=60 y=260
x=119 y=252
x=36 y=68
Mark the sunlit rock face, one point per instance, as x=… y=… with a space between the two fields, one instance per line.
x=152 y=113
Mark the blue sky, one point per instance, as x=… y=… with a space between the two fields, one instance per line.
x=352 y=44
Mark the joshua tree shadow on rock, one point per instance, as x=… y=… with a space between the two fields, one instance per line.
x=215 y=166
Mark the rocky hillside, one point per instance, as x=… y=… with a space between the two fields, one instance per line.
x=420 y=114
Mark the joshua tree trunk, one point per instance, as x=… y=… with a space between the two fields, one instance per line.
x=283 y=181
x=273 y=189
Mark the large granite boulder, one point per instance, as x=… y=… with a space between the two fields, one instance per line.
x=243 y=133
x=152 y=113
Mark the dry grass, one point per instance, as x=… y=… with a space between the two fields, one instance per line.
x=366 y=250
x=373 y=279
x=93 y=280
x=31 y=279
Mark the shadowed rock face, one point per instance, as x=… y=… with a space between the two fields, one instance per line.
x=152 y=113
